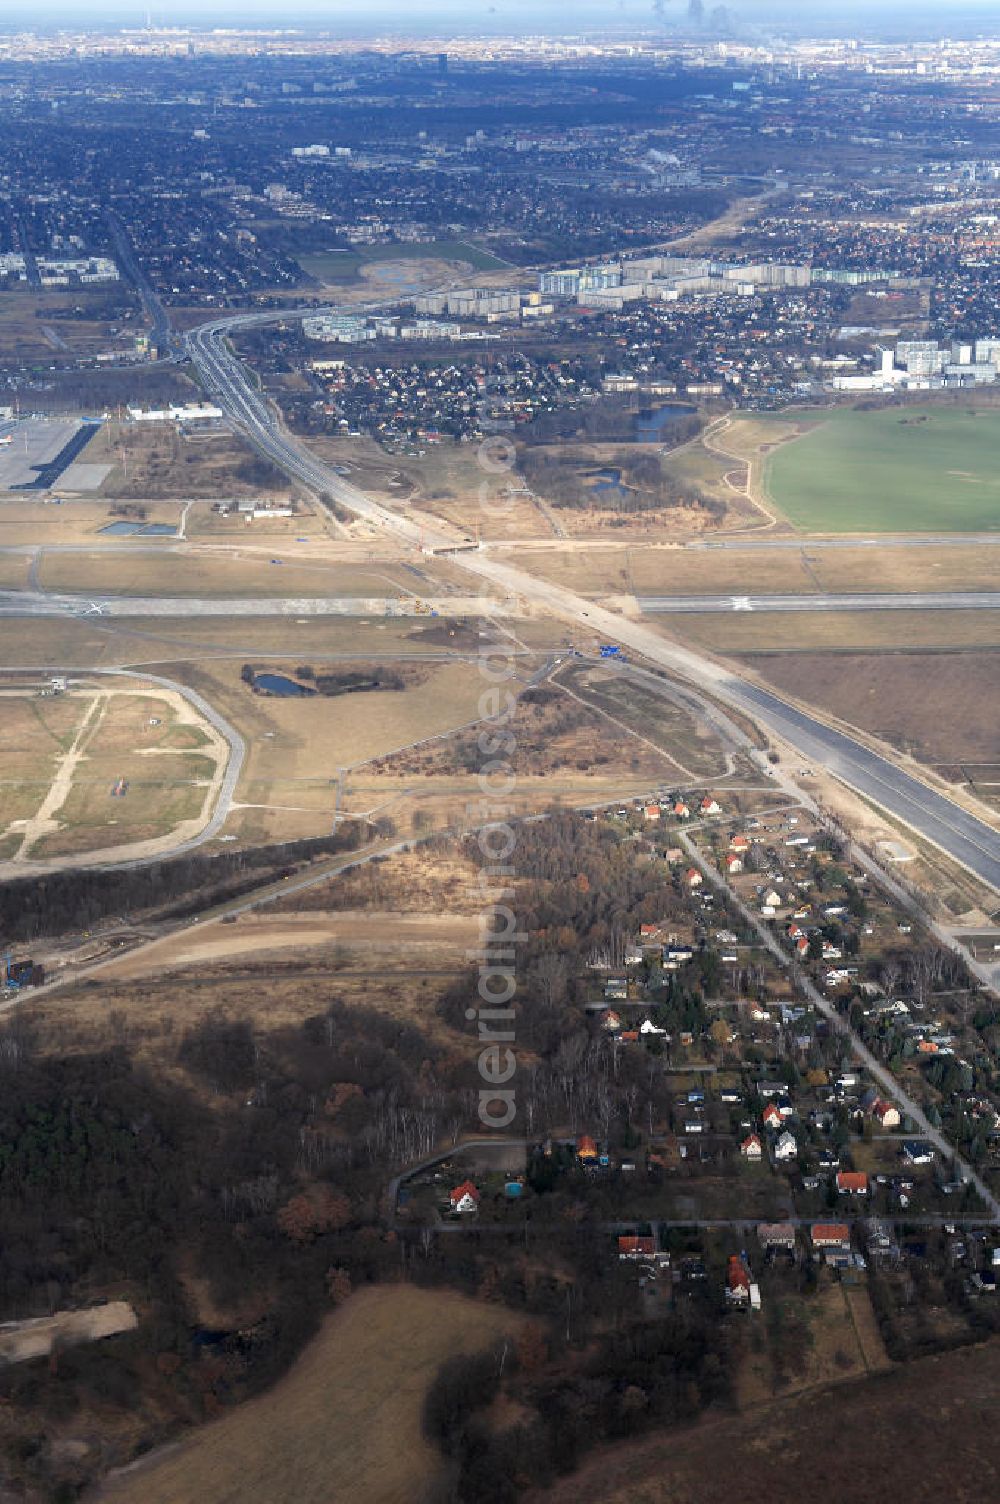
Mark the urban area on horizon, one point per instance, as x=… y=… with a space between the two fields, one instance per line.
x=500 y=776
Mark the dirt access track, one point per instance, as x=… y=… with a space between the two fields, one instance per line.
x=21 y=1341
x=423 y=939
x=104 y=708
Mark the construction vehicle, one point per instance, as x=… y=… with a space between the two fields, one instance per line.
x=15 y=975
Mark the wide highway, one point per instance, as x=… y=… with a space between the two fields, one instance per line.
x=947 y=825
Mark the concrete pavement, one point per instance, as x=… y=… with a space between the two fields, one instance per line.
x=968 y=840
x=952 y=600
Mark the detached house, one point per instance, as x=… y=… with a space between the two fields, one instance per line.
x=710 y=806
x=830 y=1235
x=630 y=1247
x=693 y=877
x=733 y=864
x=682 y=810
x=651 y=1030
x=586 y=1150
x=886 y=1115
x=740 y=844
x=786 y=1148
x=772 y=1116
x=751 y=1147
x=737 y=1281
x=777 y=1235
x=464 y=1198
x=852 y=1183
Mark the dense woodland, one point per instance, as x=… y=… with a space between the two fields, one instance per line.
x=58 y=902
x=254 y=1163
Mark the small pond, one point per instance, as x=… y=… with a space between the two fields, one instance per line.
x=125 y=529
x=649 y=425
x=281 y=686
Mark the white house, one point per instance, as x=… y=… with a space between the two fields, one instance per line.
x=464 y=1198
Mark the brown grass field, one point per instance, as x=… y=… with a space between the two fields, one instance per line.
x=345 y=1422
x=692 y=748
x=34 y=733
x=557 y=736
x=90 y=819
x=297 y=747
x=843 y=1342
x=25 y=313
x=204 y=523
x=902 y=1431
x=41 y=522
x=13 y=571
x=447 y=481
x=101 y=642
x=161 y=462
x=888 y=695
x=169 y=767
x=311 y=738
x=675 y=570
x=743 y=632
x=240 y=573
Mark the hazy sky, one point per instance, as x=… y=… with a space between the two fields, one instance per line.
x=946 y=17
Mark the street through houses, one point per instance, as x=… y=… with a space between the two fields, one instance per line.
x=886 y=1080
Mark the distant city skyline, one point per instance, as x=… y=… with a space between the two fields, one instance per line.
x=896 y=17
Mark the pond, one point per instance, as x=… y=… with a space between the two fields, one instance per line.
x=649 y=425
x=607 y=480
x=277 y=684
x=140 y=529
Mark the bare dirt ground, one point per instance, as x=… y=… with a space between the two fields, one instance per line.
x=921 y=1421
x=36 y=1338
x=427 y=938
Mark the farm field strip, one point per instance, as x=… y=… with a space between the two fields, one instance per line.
x=917 y=469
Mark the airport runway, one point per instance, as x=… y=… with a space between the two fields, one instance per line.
x=28 y=603
x=952 y=600
x=847 y=540
x=968 y=840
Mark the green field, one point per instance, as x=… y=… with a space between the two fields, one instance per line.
x=344 y=265
x=907 y=470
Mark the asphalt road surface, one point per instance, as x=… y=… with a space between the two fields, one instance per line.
x=946 y=824
x=964 y=600
x=969 y=841
x=890 y=1084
